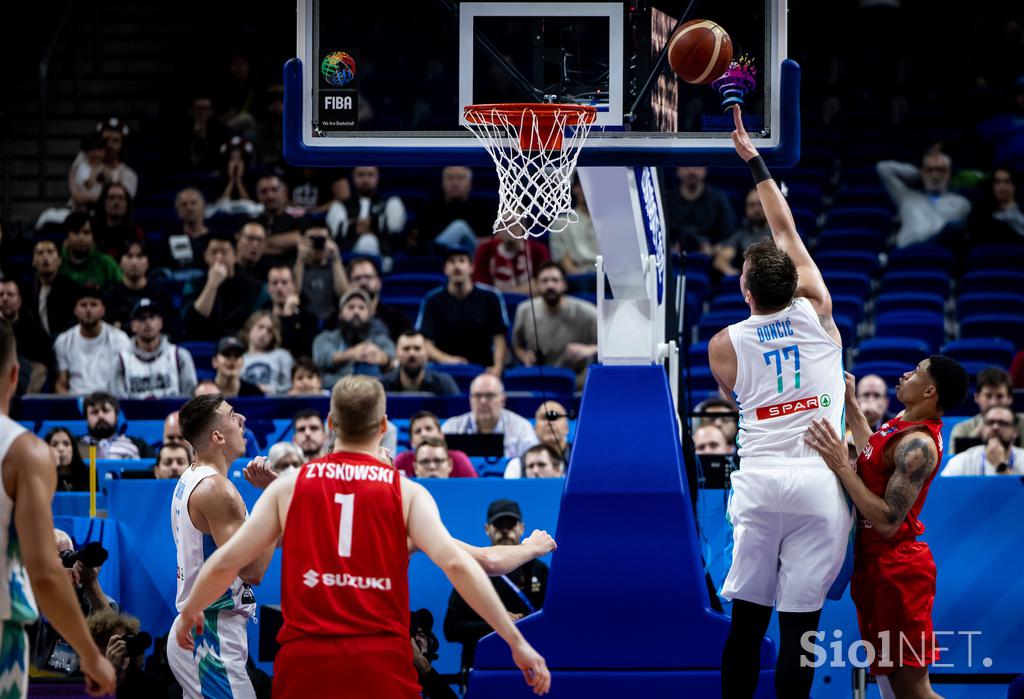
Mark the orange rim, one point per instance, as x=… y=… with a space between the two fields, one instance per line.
x=538 y=120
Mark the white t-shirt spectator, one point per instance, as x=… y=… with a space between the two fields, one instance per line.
x=519 y=433
x=270 y=370
x=972 y=462
x=90 y=362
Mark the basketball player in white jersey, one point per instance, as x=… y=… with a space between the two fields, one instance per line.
x=206 y=510
x=791 y=519
x=29 y=566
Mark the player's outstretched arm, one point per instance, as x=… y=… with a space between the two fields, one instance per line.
x=250 y=542
x=501 y=560
x=855 y=420
x=780 y=219
x=428 y=534
x=30 y=463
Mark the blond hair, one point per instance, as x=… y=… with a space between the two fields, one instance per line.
x=357 y=407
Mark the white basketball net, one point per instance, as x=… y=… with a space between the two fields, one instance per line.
x=535 y=181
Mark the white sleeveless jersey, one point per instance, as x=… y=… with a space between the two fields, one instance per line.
x=17 y=603
x=788 y=372
x=194 y=547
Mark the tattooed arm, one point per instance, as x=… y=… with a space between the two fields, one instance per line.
x=913 y=456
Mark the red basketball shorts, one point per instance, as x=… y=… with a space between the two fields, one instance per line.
x=349 y=668
x=893 y=587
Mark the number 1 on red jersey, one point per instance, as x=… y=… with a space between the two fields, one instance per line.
x=347 y=502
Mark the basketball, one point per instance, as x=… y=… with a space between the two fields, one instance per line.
x=699 y=51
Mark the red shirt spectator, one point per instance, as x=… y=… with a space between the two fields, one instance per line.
x=501 y=262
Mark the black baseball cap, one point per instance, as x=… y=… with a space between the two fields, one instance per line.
x=90 y=291
x=452 y=251
x=503 y=508
x=145 y=306
x=229 y=344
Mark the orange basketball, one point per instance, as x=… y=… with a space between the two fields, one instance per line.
x=699 y=51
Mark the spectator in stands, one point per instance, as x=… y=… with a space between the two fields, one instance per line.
x=298 y=326
x=285 y=456
x=366 y=222
x=310 y=436
x=698 y=216
x=205 y=136
x=101 y=416
x=172 y=432
x=172 y=460
x=225 y=299
x=88 y=353
x=521 y=591
x=992 y=387
x=114 y=225
x=306 y=380
x=710 y=440
x=314 y=188
x=134 y=286
x=998 y=454
x=81 y=262
x=488 y=415
x=72 y=473
x=206 y=387
x=228 y=364
x=236 y=159
x=266 y=363
x=424 y=425
x=576 y=248
x=541 y=461
x=432 y=460
x=152 y=367
x=551 y=425
x=250 y=244
x=567 y=325
x=999 y=219
x=454 y=219
x=728 y=255
x=424 y=650
x=31 y=339
x=53 y=294
x=726 y=423
x=360 y=345
x=186 y=246
x=283 y=226
x=363 y=273
x=501 y=262
x=87 y=174
x=926 y=206
x=412 y=372
x=464 y=322
x=319 y=274
x=113 y=132
x=873 y=398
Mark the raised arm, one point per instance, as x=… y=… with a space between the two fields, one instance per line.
x=780 y=219
x=429 y=535
x=855 y=420
x=501 y=560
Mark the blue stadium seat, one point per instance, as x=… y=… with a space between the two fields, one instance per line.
x=920 y=256
x=583 y=282
x=728 y=302
x=729 y=285
x=987 y=257
x=701 y=380
x=546 y=379
x=695 y=263
x=859 y=176
x=983 y=302
x=872 y=197
x=803 y=194
x=710 y=323
x=806 y=221
x=411 y=283
x=850 y=240
x=512 y=301
x=856 y=261
x=696 y=284
x=850 y=306
x=488 y=466
x=919 y=281
x=408 y=264
x=991 y=351
x=692 y=310
x=202 y=352
x=698 y=354
x=910 y=302
x=848 y=284
x=992 y=281
x=927 y=327
x=847 y=329
x=860 y=217
x=1000 y=325
x=903 y=350
x=408 y=305
x=891 y=372
x=462 y=373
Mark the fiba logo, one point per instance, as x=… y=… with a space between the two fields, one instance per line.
x=338 y=68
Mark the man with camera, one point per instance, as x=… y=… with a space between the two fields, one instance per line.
x=424 y=651
x=319 y=275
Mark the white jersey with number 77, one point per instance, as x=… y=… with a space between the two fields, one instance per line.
x=789 y=371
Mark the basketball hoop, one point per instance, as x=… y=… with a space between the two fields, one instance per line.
x=535 y=148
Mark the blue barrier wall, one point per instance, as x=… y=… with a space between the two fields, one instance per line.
x=973 y=528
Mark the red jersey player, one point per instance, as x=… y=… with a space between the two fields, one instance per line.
x=893 y=582
x=349 y=522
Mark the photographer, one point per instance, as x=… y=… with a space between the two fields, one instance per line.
x=319 y=275
x=424 y=651
x=125 y=647
x=50 y=652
